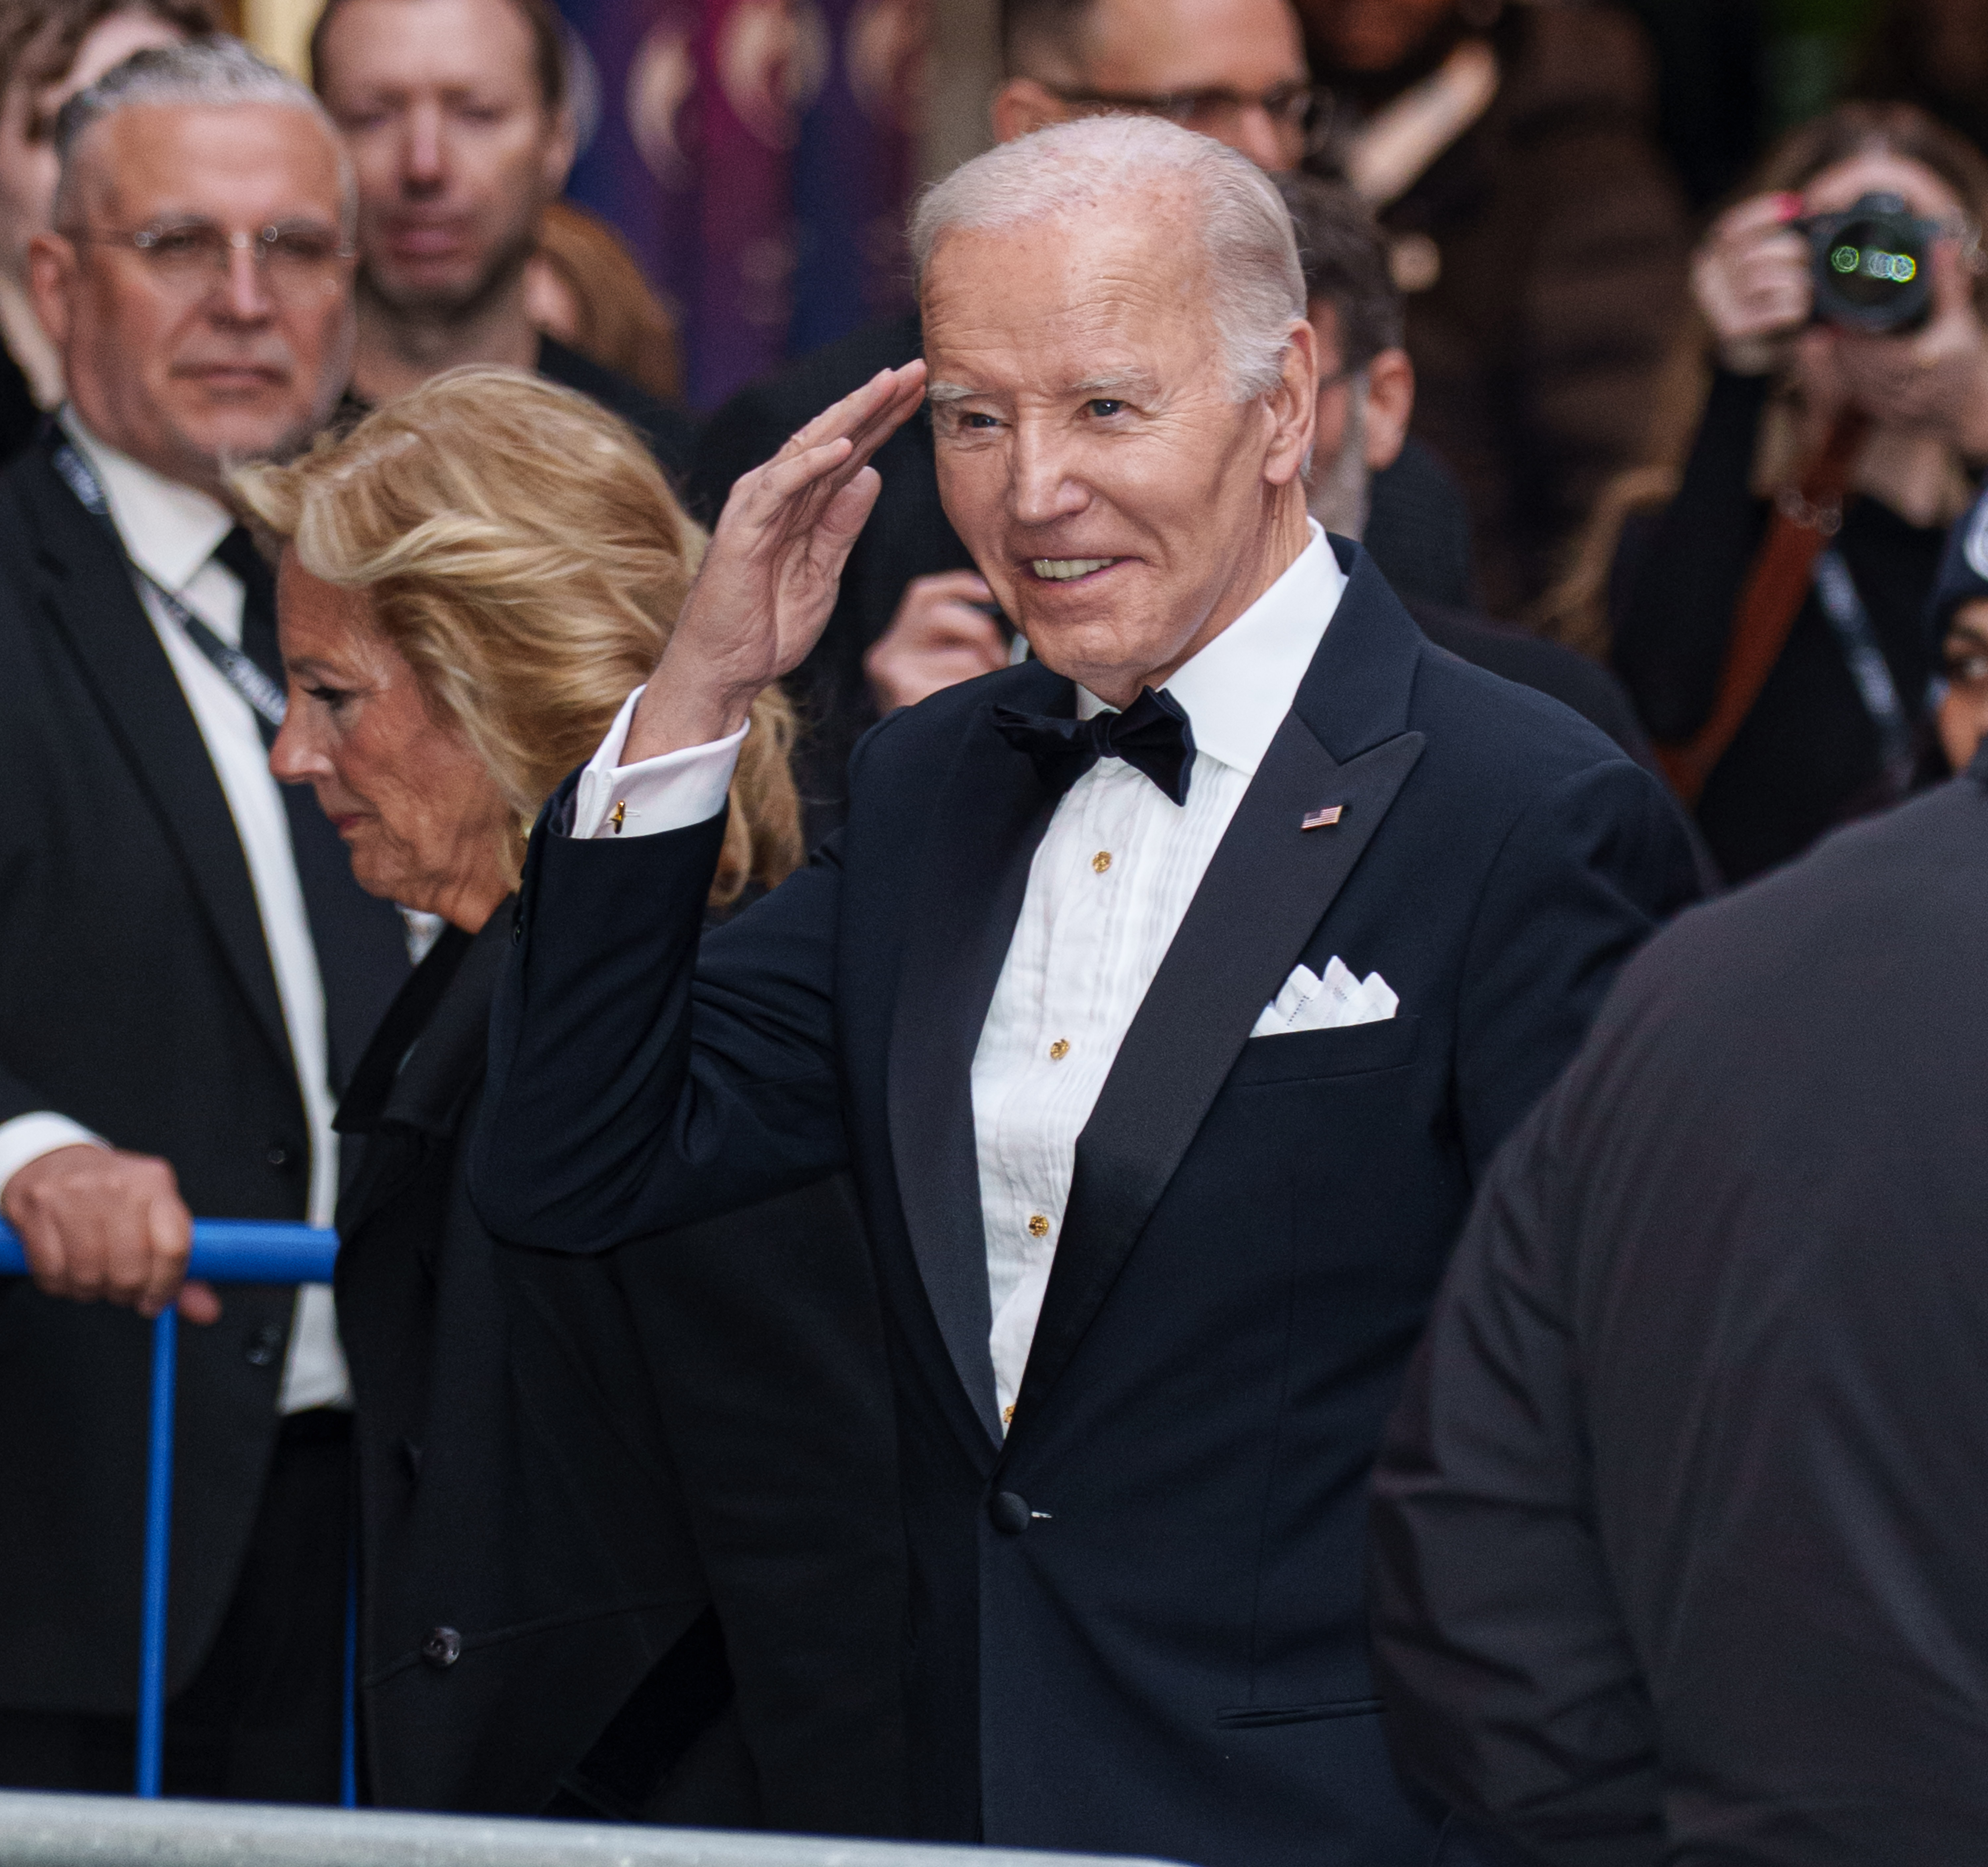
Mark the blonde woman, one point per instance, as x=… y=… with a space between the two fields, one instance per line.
x=559 y=1553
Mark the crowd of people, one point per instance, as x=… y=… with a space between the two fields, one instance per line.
x=1173 y=1060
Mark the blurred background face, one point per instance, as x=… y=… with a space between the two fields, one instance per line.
x=1880 y=172
x=1373 y=35
x=1963 y=713
x=182 y=367
x=441 y=106
x=1090 y=455
x=420 y=814
x=27 y=128
x=1244 y=58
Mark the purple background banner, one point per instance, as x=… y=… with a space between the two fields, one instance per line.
x=759 y=156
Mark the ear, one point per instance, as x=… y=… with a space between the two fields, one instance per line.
x=1391 y=401
x=51 y=282
x=562 y=146
x=1292 y=406
x=1022 y=105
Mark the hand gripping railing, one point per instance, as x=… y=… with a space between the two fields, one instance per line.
x=225 y=1251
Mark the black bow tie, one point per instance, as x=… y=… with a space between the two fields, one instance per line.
x=1152 y=736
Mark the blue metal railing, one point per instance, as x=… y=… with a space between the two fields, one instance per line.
x=225 y=1251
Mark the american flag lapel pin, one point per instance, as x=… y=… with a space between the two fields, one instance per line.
x=1320 y=819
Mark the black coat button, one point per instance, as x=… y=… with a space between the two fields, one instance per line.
x=264 y=1346
x=278 y=1155
x=1010 y=1513
x=443 y=1647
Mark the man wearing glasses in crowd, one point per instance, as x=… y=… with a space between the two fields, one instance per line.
x=1232 y=69
x=190 y=969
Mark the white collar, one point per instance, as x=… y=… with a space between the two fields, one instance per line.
x=169 y=529
x=1237 y=690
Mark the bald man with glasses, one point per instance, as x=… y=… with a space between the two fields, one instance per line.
x=190 y=969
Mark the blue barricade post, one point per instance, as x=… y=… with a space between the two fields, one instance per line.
x=225 y=1251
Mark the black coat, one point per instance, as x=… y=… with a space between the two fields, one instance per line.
x=136 y=996
x=1171 y=1657
x=1807 y=756
x=575 y=1480
x=1681 y=1544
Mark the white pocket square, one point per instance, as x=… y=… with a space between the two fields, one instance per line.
x=1309 y=1002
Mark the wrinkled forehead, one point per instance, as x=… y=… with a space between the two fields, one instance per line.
x=268 y=160
x=1048 y=303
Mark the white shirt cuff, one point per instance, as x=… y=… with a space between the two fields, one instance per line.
x=28 y=1138
x=643 y=799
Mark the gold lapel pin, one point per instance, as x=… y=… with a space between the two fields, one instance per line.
x=1320 y=819
x=619 y=816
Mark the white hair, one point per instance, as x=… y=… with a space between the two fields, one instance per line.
x=1255 y=286
x=214 y=72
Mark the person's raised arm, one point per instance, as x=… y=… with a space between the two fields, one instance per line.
x=627 y=1093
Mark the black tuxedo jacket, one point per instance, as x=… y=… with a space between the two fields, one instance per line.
x=1681 y=1550
x=136 y=996
x=1137 y=1624
x=559 y=1461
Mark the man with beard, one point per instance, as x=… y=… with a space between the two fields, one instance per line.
x=456 y=116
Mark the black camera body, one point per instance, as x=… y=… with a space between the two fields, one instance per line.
x=1872 y=265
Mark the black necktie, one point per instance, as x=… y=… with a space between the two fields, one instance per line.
x=362 y=954
x=237 y=551
x=1152 y=736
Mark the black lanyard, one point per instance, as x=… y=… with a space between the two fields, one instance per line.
x=1842 y=607
x=262 y=694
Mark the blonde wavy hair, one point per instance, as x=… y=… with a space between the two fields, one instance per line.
x=522 y=553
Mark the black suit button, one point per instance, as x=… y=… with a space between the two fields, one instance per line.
x=443 y=1648
x=264 y=1346
x=1010 y=1513
x=278 y=1155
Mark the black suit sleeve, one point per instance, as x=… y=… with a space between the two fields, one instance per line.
x=1584 y=877
x=1510 y=1687
x=633 y=1088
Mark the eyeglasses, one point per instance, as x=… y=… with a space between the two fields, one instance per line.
x=1301 y=112
x=191 y=258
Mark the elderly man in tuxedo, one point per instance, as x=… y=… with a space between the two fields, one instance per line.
x=1168 y=993
x=189 y=970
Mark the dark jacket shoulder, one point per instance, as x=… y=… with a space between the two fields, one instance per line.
x=670 y=434
x=754 y=425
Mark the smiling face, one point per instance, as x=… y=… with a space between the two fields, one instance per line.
x=417 y=806
x=1124 y=507
x=184 y=370
x=440 y=104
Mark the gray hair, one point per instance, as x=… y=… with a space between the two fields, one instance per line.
x=215 y=72
x=1255 y=287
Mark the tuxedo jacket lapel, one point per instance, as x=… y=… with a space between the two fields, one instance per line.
x=98 y=613
x=1269 y=884
x=973 y=873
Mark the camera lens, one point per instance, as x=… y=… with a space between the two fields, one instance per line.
x=1868 y=267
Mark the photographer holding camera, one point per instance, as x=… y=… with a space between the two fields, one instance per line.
x=1769 y=619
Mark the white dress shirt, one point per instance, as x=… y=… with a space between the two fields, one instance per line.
x=1107 y=889
x=170 y=531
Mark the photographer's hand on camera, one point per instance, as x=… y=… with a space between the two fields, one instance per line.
x=1935 y=378
x=1750 y=277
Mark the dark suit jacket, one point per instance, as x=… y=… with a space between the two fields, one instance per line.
x=670 y=434
x=136 y=996
x=1137 y=1625
x=558 y=1461
x=1681 y=1546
